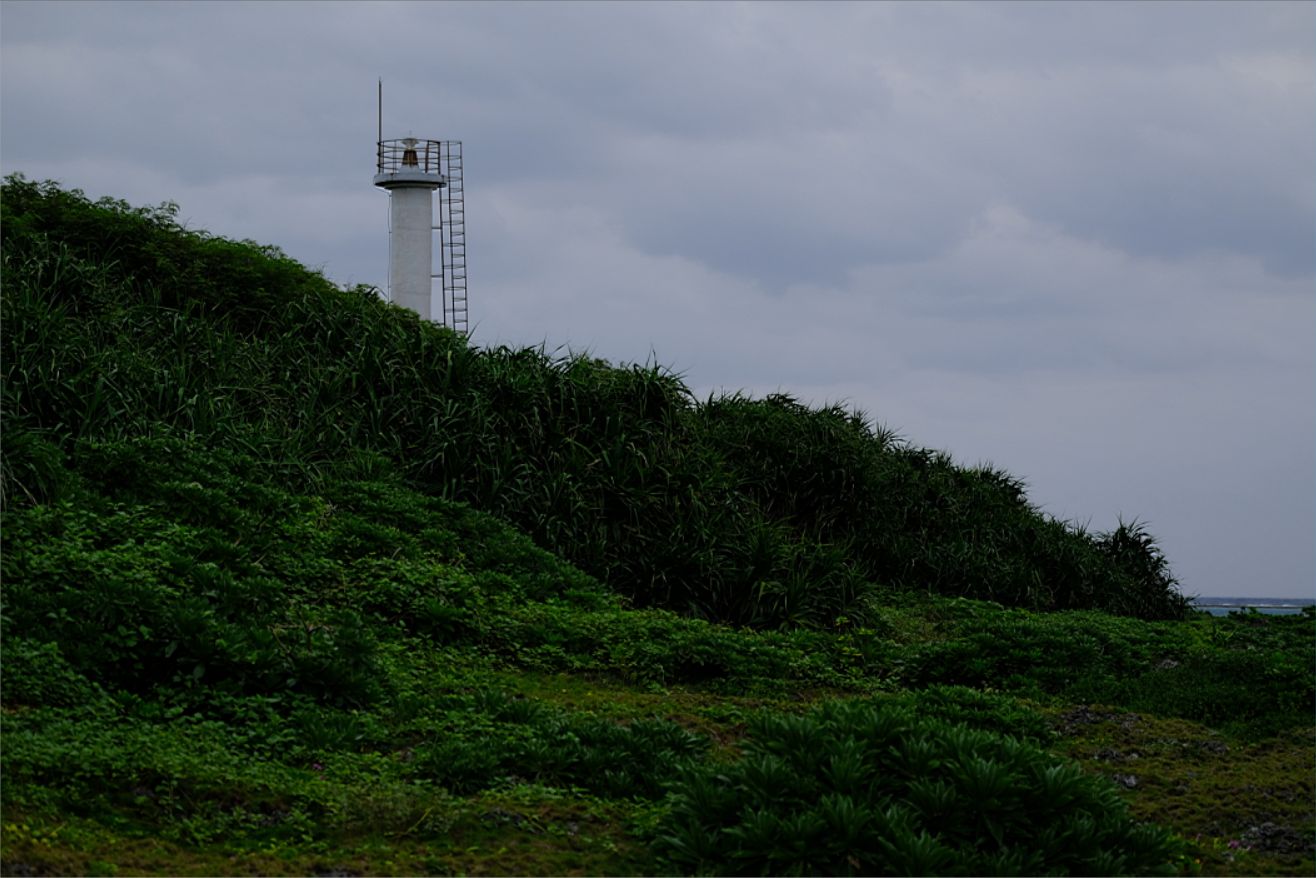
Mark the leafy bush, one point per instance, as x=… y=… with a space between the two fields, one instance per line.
x=132 y=603
x=1247 y=675
x=523 y=739
x=1250 y=693
x=660 y=647
x=37 y=674
x=982 y=645
x=194 y=781
x=853 y=789
x=984 y=711
x=1013 y=653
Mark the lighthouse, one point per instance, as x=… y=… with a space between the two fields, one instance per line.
x=408 y=169
x=411 y=170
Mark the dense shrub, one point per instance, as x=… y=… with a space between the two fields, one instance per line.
x=984 y=711
x=1247 y=675
x=1247 y=692
x=192 y=781
x=181 y=567
x=36 y=674
x=1013 y=651
x=853 y=789
x=984 y=645
x=120 y=324
x=506 y=738
x=133 y=602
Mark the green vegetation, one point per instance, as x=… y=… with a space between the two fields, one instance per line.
x=759 y=512
x=858 y=790
x=294 y=584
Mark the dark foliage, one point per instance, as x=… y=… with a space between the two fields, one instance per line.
x=860 y=790
x=121 y=324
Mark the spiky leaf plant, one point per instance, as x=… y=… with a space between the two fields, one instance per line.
x=858 y=789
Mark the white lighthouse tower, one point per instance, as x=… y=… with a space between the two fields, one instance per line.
x=410 y=178
x=411 y=170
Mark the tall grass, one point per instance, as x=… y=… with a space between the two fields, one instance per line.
x=118 y=324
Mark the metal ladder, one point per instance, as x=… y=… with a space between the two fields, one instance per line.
x=452 y=237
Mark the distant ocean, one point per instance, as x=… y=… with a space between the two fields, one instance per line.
x=1270 y=606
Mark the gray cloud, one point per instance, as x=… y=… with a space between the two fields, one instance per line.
x=1073 y=239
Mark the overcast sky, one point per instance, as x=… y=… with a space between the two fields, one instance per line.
x=1075 y=241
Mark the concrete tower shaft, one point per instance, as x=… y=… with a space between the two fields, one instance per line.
x=408 y=169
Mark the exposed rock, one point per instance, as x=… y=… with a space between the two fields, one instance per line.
x=1272 y=837
x=1071 y=721
x=1110 y=754
x=503 y=817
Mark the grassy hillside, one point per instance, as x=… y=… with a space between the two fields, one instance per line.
x=761 y=512
x=294 y=584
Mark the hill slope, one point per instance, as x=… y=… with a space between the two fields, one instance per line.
x=294 y=584
x=761 y=512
